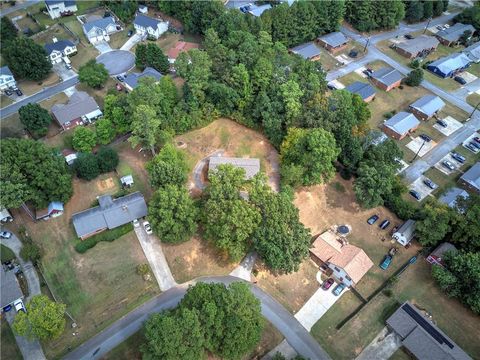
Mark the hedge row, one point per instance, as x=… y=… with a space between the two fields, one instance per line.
x=108 y=235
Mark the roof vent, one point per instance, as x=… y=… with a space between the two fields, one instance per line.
x=54 y=39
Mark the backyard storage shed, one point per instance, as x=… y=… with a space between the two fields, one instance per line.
x=364 y=90
x=110 y=214
x=333 y=42
x=406 y=232
x=450 y=65
x=452 y=195
x=421 y=337
x=54 y=209
x=419 y=46
x=347 y=263
x=400 y=125
x=251 y=166
x=471 y=178
x=81 y=108
x=386 y=78
x=308 y=51
x=453 y=34
x=435 y=257
x=10 y=288
x=427 y=106
x=473 y=52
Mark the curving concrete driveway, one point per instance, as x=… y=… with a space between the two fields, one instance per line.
x=298 y=337
x=117 y=61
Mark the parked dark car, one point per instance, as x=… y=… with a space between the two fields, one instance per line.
x=430 y=183
x=130 y=33
x=458 y=157
x=425 y=137
x=415 y=194
x=353 y=54
x=409 y=37
x=120 y=78
x=328 y=283
x=460 y=80
x=384 y=224
x=7 y=308
x=442 y=123
x=18 y=92
x=8 y=92
x=476 y=139
x=387 y=260
x=338 y=289
x=448 y=165
x=372 y=219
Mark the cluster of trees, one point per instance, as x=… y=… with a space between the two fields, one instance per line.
x=125 y=10
x=44 y=319
x=35 y=119
x=150 y=55
x=26 y=59
x=8 y=31
x=470 y=15
x=224 y=321
x=238 y=215
x=371 y=15
x=88 y=166
x=85 y=138
x=418 y=10
x=32 y=172
x=414 y=77
x=93 y=74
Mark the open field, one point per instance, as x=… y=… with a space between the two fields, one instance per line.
x=8 y=346
x=5 y=101
x=54 y=31
x=98 y=286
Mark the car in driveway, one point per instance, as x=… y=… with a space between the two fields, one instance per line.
x=387 y=260
x=448 y=165
x=472 y=148
x=429 y=183
x=328 y=283
x=475 y=144
x=442 y=123
x=384 y=224
x=5 y=234
x=147 y=227
x=415 y=194
x=409 y=37
x=18 y=304
x=458 y=157
x=372 y=219
x=136 y=223
x=120 y=78
x=460 y=80
x=8 y=92
x=476 y=139
x=425 y=137
x=338 y=289
x=18 y=92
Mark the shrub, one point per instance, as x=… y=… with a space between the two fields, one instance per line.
x=415 y=64
x=388 y=292
x=107 y=159
x=143 y=269
x=31 y=252
x=109 y=235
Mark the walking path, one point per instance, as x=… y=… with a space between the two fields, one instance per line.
x=158 y=263
x=382 y=347
x=31 y=350
x=244 y=269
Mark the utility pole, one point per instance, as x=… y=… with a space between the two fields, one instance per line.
x=366 y=44
x=418 y=152
x=426 y=26
x=476 y=107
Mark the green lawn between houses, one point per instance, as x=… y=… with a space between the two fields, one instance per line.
x=8 y=346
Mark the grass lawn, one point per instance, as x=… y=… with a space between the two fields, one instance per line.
x=474 y=69
x=83 y=55
x=74 y=26
x=11 y=127
x=45 y=19
x=56 y=31
x=8 y=346
x=6 y=254
x=29 y=87
x=5 y=101
x=119 y=38
x=473 y=99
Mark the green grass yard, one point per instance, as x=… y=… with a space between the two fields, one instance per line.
x=473 y=99
x=6 y=254
x=8 y=346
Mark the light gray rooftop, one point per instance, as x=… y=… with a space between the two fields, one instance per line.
x=133 y=78
x=334 y=39
x=451 y=196
x=473 y=52
x=451 y=62
x=420 y=43
x=257 y=10
x=364 y=90
x=454 y=32
x=102 y=23
x=10 y=289
x=472 y=176
x=443 y=248
x=110 y=213
x=428 y=104
x=407 y=229
x=307 y=51
x=402 y=122
x=79 y=104
x=251 y=166
x=387 y=75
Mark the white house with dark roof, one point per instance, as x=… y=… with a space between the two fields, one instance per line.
x=400 y=125
x=146 y=25
x=6 y=78
x=56 y=8
x=427 y=106
x=58 y=49
x=470 y=179
x=99 y=30
x=131 y=80
x=109 y=214
x=250 y=165
x=308 y=51
x=333 y=42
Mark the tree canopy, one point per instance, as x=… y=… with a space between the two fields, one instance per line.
x=371 y=15
x=470 y=15
x=32 y=172
x=105 y=131
x=35 y=119
x=167 y=167
x=150 y=55
x=84 y=139
x=93 y=74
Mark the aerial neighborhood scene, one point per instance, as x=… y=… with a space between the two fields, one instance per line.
x=229 y=179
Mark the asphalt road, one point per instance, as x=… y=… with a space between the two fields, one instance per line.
x=39 y=96
x=18 y=6
x=117 y=61
x=296 y=335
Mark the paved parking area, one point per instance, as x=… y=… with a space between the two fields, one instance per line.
x=382 y=347
x=469 y=78
x=421 y=188
x=443 y=169
x=360 y=70
x=404 y=166
x=470 y=139
x=63 y=72
x=452 y=126
x=418 y=144
x=103 y=47
x=70 y=91
x=117 y=61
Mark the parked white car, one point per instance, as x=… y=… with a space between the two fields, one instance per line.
x=147 y=227
x=136 y=223
x=19 y=306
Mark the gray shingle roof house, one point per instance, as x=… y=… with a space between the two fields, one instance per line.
x=436 y=256
x=131 y=80
x=422 y=338
x=99 y=30
x=146 y=25
x=308 y=51
x=401 y=124
x=80 y=107
x=251 y=166
x=415 y=47
x=59 y=45
x=471 y=178
x=427 y=106
x=453 y=33
x=110 y=213
x=451 y=196
x=449 y=65
x=364 y=90
x=473 y=52
x=386 y=78
x=333 y=42
x=58 y=8
x=10 y=288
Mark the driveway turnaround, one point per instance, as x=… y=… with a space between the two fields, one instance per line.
x=298 y=337
x=117 y=61
x=382 y=347
x=153 y=251
x=244 y=269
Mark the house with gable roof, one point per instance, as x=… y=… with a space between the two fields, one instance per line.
x=59 y=8
x=333 y=42
x=58 y=49
x=386 y=78
x=427 y=106
x=99 y=30
x=146 y=25
x=6 y=78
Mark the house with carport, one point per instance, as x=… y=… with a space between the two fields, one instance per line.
x=427 y=106
x=333 y=42
x=10 y=290
x=346 y=262
x=401 y=125
x=308 y=51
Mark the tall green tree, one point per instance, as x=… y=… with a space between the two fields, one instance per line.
x=434 y=224
x=35 y=119
x=150 y=55
x=414 y=77
x=93 y=74
x=84 y=139
x=86 y=166
x=173 y=214
x=195 y=67
x=26 y=59
x=8 y=31
x=105 y=131
x=117 y=111
x=145 y=127
x=466 y=232
x=470 y=15
x=168 y=167
x=107 y=159
x=44 y=319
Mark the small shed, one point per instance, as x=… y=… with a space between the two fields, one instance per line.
x=435 y=258
x=143 y=9
x=127 y=181
x=5 y=216
x=54 y=209
x=406 y=232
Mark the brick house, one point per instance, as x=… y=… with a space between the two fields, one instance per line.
x=386 y=78
x=333 y=42
x=308 y=51
x=471 y=178
x=426 y=107
x=420 y=46
x=400 y=125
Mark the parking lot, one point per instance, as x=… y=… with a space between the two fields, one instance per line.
x=420 y=187
x=452 y=126
x=419 y=144
x=471 y=140
x=439 y=165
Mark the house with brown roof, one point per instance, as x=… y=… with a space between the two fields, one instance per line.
x=347 y=263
